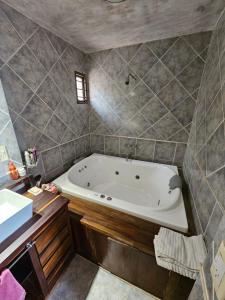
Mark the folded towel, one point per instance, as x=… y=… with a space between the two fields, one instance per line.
x=179 y=253
x=10 y=289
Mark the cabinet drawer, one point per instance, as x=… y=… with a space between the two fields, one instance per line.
x=43 y=240
x=57 y=256
x=54 y=245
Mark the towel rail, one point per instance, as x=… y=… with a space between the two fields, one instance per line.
x=27 y=248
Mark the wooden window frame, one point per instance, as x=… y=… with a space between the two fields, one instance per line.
x=84 y=85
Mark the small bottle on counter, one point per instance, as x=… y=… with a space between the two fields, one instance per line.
x=27 y=158
x=22 y=171
x=13 y=172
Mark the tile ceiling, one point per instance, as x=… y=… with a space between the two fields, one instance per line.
x=96 y=25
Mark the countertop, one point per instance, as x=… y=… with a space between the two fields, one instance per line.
x=45 y=207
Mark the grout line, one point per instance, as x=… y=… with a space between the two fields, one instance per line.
x=141 y=81
x=210 y=218
x=220 y=69
x=194 y=204
x=5 y=126
x=215 y=171
x=24 y=43
x=220 y=17
x=132 y=137
x=154 y=151
x=212 y=102
x=127 y=62
x=36 y=89
x=209 y=137
x=205 y=177
x=175 y=152
x=59 y=145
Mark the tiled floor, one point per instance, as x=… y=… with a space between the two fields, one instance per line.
x=84 y=280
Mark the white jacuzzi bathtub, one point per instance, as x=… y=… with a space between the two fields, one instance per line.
x=135 y=187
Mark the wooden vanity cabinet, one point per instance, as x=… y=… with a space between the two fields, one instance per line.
x=54 y=246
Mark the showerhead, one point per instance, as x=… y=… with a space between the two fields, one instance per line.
x=127 y=82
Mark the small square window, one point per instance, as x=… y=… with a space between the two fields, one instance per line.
x=81 y=87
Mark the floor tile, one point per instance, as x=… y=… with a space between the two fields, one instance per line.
x=85 y=280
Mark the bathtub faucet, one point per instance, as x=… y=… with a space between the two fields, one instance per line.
x=132 y=149
x=129 y=156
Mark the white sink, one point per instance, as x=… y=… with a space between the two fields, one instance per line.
x=15 y=210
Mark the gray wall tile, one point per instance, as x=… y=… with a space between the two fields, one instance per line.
x=42 y=101
x=204 y=159
x=214 y=115
x=172 y=94
x=160 y=47
x=68 y=152
x=10 y=40
x=51 y=159
x=167 y=126
x=199 y=41
x=213 y=224
x=145 y=150
x=154 y=110
x=97 y=143
x=55 y=129
x=164 y=151
x=184 y=111
x=37 y=113
x=179 y=154
x=178 y=56
x=27 y=135
x=127 y=53
x=157 y=77
x=17 y=93
x=42 y=48
x=57 y=42
x=45 y=143
x=216 y=181
x=215 y=150
x=111 y=145
x=82 y=146
x=118 y=109
x=24 y=26
x=142 y=61
x=127 y=147
x=190 y=82
x=49 y=93
x=205 y=202
x=25 y=64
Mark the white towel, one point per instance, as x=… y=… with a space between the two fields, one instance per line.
x=179 y=253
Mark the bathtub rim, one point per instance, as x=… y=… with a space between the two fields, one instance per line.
x=174 y=218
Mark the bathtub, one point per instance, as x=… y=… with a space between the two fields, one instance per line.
x=135 y=187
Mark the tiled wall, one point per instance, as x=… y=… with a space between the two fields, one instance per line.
x=204 y=163
x=155 y=111
x=37 y=76
x=7 y=136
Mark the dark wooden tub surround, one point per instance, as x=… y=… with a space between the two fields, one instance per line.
x=123 y=244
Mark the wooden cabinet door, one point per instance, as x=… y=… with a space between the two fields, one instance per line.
x=128 y=263
x=55 y=246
